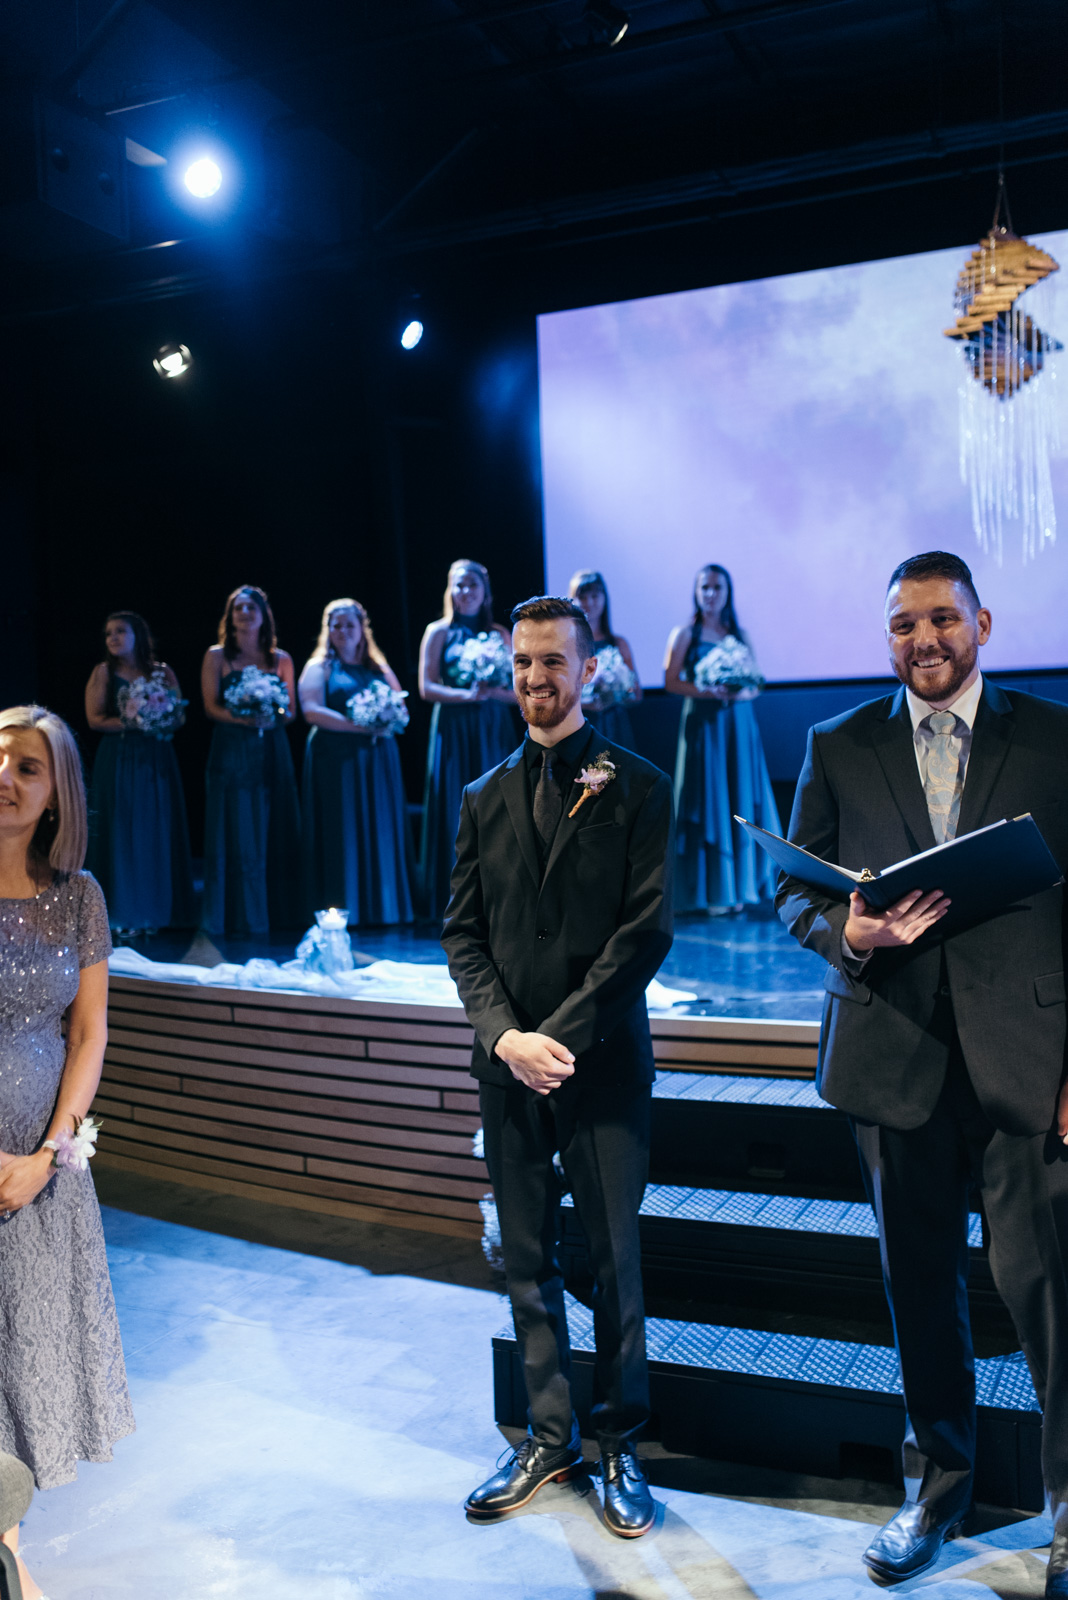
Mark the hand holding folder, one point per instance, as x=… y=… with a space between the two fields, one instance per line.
x=980 y=872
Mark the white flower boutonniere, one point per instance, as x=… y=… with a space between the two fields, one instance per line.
x=595 y=776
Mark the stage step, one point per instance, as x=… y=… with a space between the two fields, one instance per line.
x=773 y=1135
x=738 y=1248
x=821 y=1406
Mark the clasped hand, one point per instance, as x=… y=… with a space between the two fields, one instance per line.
x=535 y=1059
x=22 y=1178
x=900 y=924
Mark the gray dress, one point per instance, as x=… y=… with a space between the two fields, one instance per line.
x=63 y=1395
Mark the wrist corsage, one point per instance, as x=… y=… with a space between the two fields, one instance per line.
x=74 y=1149
x=595 y=776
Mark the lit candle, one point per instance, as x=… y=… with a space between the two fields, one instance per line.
x=334 y=920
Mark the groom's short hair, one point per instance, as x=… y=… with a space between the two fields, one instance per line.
x=547 y=608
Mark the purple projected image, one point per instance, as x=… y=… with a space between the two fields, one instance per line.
x=803 y=432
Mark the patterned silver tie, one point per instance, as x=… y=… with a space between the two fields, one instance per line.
x=944 y=783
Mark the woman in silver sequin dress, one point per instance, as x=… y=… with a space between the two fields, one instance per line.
x=63 y=1395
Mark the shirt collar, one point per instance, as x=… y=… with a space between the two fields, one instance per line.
x=567 y=753
x=965 y=706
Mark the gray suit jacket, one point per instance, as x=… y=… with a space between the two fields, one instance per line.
x=568 y=952
x=860 y=802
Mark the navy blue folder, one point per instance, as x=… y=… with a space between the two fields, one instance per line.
x=981 y=872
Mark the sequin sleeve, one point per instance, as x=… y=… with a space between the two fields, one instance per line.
x=93 y=933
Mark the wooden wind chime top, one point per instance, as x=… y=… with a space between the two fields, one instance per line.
x=1003 y=346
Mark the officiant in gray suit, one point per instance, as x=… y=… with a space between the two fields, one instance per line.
x=948 y=1052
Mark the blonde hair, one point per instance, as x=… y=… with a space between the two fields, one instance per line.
x=324 y=650
x=62 y=840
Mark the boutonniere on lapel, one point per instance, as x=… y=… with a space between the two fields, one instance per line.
x=595 y=777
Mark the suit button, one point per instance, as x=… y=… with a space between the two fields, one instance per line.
x=944 y=991
x=543 y=933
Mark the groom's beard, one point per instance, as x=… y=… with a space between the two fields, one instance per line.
x=551 y=710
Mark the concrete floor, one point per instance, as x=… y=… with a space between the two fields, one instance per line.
x=313 y=1402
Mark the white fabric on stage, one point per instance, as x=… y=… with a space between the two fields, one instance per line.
x=410 y=982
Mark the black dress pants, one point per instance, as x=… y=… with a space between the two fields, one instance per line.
x=918 y=1182
x=602 y=1134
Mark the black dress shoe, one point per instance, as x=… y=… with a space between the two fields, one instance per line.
x=911 y=1541
x=530 y=1466
x=628 y=1505
x=1057 y=1571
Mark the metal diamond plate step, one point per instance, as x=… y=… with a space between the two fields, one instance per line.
x=769 y=1134
x=802 y=1404
x=717 y=1247
x=852 y=1219
x=728 y=1088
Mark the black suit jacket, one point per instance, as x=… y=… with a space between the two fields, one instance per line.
x=568 y=953
x=885 y=1041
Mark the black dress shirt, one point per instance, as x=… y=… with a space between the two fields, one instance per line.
x=567 y=759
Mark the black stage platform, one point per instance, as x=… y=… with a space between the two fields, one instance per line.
x=769 y=1337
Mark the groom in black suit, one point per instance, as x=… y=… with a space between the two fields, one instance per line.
x=948 y=1052
x=560 y=915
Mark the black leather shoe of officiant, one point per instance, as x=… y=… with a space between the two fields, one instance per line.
x=912 y=1541
x=529 y=1468
x=1057 y=1571
x=628 y=1506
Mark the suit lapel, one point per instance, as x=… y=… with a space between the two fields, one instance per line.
x=513 y=785
x=894 y=746
x=991 y=738
x=568 y=826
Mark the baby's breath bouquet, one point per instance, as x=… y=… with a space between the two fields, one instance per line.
x=257 y=696
x=150 y=705
x=484 y=658
x=613 y=683
x=728 y=665
x=378 y=708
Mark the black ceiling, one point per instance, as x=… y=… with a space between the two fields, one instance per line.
x=394 y=136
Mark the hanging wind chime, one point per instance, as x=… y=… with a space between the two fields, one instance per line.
x=1008 y=396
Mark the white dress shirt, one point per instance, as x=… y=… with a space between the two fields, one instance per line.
x=964 y=707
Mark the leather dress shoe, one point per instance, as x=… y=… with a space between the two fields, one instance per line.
x=911 y=1541
x=628 y=1506
x=529 y=1468
x=1057 y=1571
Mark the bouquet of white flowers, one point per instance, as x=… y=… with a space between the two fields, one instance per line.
x=613 y=684
x=728 y=665
x=149 y=705
x=484 y=658
x=378 y=708
x=256 y=695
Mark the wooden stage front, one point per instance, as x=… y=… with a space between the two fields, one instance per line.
x=359 y=1109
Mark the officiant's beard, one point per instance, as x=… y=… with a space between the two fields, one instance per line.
x=551 y=712
x=959 y=667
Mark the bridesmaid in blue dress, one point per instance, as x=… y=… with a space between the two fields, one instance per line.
x=138 y=833
x=471 y=728
x=252 y=820
x=613 y=720
x=357 y=845
x=720 y=771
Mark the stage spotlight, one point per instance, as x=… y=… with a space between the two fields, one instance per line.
x=172 y=360
x=412 y=334
x=609 y=20
x=203 y=178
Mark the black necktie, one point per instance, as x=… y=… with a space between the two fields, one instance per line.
x=548 y=801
